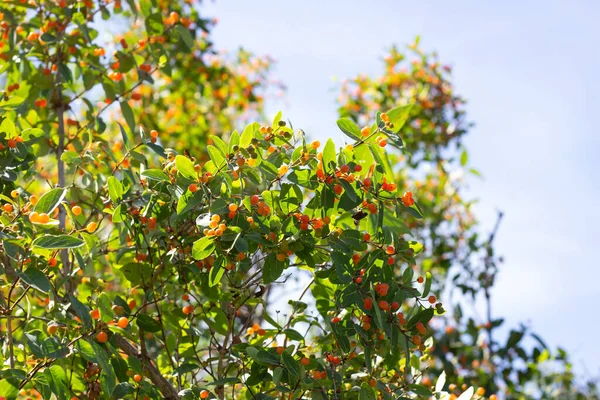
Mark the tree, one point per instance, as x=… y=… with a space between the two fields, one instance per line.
x=132 y=270
x=462 y=260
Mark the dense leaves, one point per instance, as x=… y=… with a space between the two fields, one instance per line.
x=144 y=238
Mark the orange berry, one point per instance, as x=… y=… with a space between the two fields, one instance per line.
x=382 y=142
x=368 y=303
x=154 y=133
x=14 y=194
x=102 y=337
x=384 y=305
x=480 y=391
x=193 y=188
x=365 y=131
x=43 y=218
x=204 y=394
x=372 y=382
x=281 y=257
x=123 y=322
x=187 y=310
x=137 y=378
x=185 y=297
x=254 y=200
x=233 y=207
x=95 y=314
x=431 y=299
x=76 y=210
x=315 y=145
x=91 y=227
x=420 y=279
x=52 y=328
x=52 y=262
x=33 y=199
x=280 y=349
x=420 y=328
x=390 y=250
x=305 y=361
x=395 y=306
x=7 y=207
x=416 y=340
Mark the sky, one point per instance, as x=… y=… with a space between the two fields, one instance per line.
x=529 y=71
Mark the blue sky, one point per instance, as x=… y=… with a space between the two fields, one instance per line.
x=529 y=70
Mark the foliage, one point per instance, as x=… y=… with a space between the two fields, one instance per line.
x=132 y=270
x=462 y=260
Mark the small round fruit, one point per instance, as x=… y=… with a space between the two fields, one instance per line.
x=187 y=310
x=204 y=394
x=91 y=227
x=123 y=322
x=76 y=210
x=102 y=337
x=52 y=328
x=305 y=361
x=95 y=314
x=137 y=378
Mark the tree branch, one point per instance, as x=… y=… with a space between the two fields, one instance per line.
x=165 y=387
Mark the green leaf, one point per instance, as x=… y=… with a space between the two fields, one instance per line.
x=293 y=334
x=266 y=357
x=290 y=364
x=50 y=200
x=328 y=155
x=82 y=311
x=57 y=378
x=398 y=116
x=53 y=348
x=185 y=36
x=147 y=323
x=216 y=156
x=464 y=158
x=185 y=166
x=155 y=25
x=36 y=278
x=203 y=248
x=248 y=135
x=115 y=189
x=86 y=350
x=215 y=275
x=57 y=242
x=123 y=389
x=9 y=388
x=128 y=115
x=155 y=174
x=421 y=390
x=125 y=136
x=277 y=374
x=12 y=102
x=366 y=392
x=427 y=287
x=349 y=128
